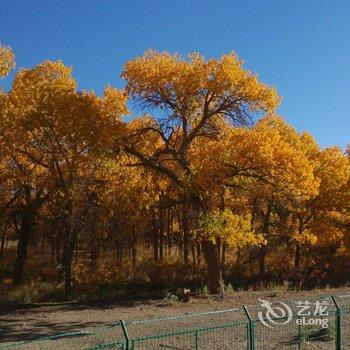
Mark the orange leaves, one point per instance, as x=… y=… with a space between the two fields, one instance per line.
x=227 y=76
x=37 y=94
x=7 y=60
x=64 y=122
x=305 y=237
x=113 y=104
x=167 y=75
x=193 y=85
x=54 y=135
x=185 y=148
x=333 y=169
x=196 y=100
x=41 y=84
x=262 y=157
x=225 y=226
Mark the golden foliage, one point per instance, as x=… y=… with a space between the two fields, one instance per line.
x=189 y=170
x=232 y=229
x=7 y=60
x=167 y=80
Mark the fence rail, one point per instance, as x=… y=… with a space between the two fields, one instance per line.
x=282 y=327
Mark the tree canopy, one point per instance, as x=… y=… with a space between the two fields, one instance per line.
x=205 y=181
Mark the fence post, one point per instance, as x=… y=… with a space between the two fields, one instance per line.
x=251 y=335
x=197 y=341
x=300 y=337
x=126 y=335
x=338 y=337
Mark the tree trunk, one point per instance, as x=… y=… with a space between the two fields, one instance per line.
x=155 y=238
x=212 y=258
x=297 y=262
x=68 y=251
x=24 y=237
x=161 y=234
x=238 y=256
x=53 y=249
x=193 y=251
x=297 y=257
x=67 y=260
x=223 y=254
x=169 y=232
x=262 y=249
x=155 y=246
x=262 y=265
x=198 y=246
x=94 y=252
x=3 y=238
x=185 y=234
x=133 y=248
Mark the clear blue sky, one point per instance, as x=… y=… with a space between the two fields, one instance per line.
x=301 y=47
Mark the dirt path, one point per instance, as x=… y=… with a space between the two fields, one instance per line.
x=25 y=322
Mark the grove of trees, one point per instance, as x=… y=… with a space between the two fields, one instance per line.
x=202 y=185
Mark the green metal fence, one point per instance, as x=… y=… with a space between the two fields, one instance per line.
x=247 y=327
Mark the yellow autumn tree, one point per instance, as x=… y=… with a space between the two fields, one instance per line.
x=341 y=216
x=268 y=164
x=130 y=195
x=53 y=130
x=190 y=98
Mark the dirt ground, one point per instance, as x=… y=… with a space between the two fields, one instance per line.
x=21 y=322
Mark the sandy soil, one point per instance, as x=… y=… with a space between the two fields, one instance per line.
x=21 y=322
